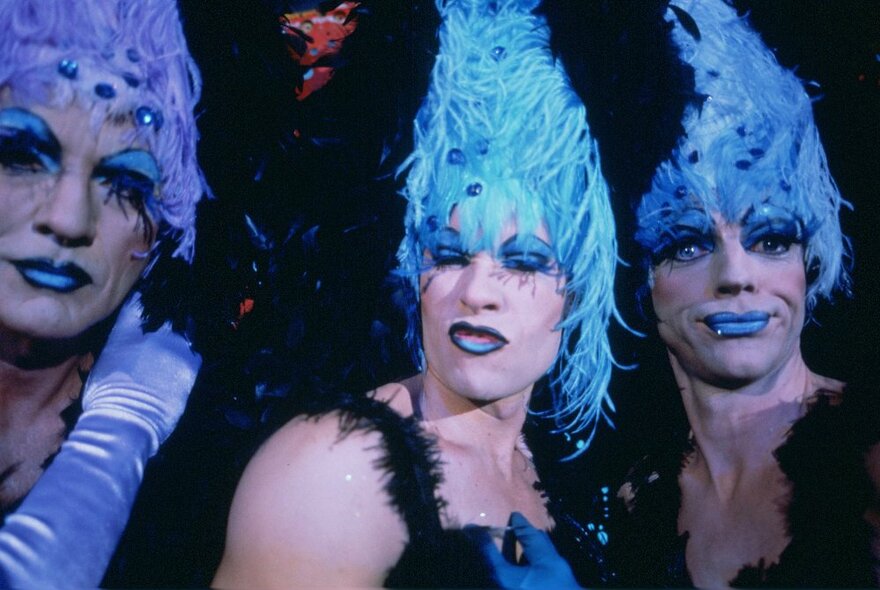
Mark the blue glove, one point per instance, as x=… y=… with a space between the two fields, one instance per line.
x=65 y=531
x=545 y=568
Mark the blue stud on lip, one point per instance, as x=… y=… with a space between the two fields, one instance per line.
x=68 y=68
x=498 y=53
x=145 y=116
x=474 y=190
x=105 y=90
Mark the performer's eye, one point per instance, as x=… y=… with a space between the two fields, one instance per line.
x=27 y=144
x=131 y=178
x=527 y=254
x=772 y=235
x=445 y=249
x=683 y=244
x=446 y=256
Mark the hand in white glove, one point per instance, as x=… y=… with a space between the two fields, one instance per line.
x=145 y=378
x=64 y=533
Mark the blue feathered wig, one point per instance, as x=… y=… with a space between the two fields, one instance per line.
x=751 y=144
x=501 y=135
x=54 y=51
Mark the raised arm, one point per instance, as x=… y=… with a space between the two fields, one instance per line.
x=64 y=533
x=311 y=510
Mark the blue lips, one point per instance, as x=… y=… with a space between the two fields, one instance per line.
x=43 y=273
x=734 y=325
x=477 y=340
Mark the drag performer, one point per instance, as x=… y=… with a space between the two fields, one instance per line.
x=774 y=480
x=97 y=169
x=777 y=481
x=507 y=263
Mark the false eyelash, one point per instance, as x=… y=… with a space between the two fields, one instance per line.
x=134 y=189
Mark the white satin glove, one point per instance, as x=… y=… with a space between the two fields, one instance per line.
x=65 y=531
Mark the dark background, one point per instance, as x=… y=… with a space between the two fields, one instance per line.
x=176 y=533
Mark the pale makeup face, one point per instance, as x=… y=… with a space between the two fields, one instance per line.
x=73 y=238
x=489 y=319
x=730 y=296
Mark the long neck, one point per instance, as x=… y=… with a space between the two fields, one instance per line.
x=736 y=430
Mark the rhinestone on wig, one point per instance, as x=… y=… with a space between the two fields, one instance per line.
x=474 y=189
x=105 y=91
x=68 y=68
x=146 y=117
x=456 y=157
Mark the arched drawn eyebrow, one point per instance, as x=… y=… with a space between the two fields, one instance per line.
x=17 y=120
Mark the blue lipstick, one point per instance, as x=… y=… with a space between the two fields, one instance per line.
x=735 y=325
x=477 y=340
x=43 y=273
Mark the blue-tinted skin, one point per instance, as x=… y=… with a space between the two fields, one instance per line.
x=766 y=230
x=28 y=147
x=525 y=255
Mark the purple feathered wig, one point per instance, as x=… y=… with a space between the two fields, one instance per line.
x=53 y=51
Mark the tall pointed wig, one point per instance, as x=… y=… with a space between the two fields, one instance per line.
x=501 y=135
x=752 y=143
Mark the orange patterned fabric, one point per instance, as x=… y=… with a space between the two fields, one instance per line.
x=319 y=37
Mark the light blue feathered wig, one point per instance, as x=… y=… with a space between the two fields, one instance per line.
x=501 y=134
x=752 y=143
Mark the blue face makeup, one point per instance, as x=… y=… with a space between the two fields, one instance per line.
x=766 y=229
x=737 y=325
x=771 y=230
x=690 y=237
x=528 y=254
x=477 y=340
x=44 y=273
x=446 y=248
x=525 y=254
x=27 y=145
x=131 y=177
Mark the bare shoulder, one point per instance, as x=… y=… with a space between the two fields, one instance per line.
x=400 y=395
x=311 y=510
